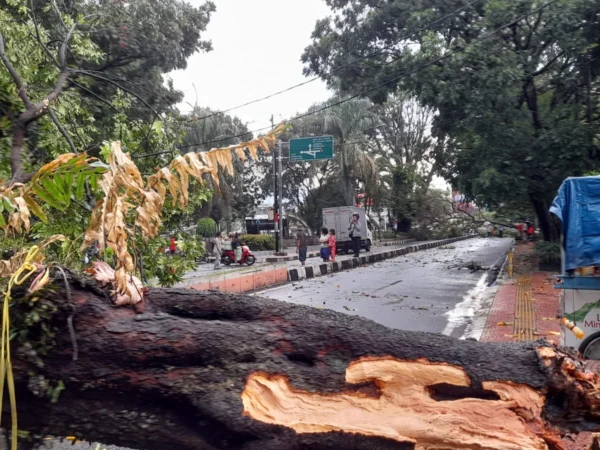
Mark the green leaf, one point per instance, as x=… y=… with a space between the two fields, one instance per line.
x=61 y=183
x=53 y=189
x=36 y=209
x=69 y=184
x=94 y=183
x=8 y=204
x=80 y=188
x=157 y=127
x=48 y=198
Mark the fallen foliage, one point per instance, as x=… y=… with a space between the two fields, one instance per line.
x=125 y=190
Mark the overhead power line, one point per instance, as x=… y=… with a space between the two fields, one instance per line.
x=389 y=80
x=344 y=66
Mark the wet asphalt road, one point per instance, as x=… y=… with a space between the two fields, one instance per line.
x=425 y=291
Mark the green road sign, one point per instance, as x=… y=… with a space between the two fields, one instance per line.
x=311 y=149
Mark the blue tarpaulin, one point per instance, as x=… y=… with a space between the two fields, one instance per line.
x=577 y=205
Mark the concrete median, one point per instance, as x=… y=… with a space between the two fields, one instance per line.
x=301 y=273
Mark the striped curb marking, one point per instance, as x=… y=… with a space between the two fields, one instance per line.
x=307 y=272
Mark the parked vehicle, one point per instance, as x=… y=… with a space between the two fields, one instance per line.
x=339 y=219
x=248 y=258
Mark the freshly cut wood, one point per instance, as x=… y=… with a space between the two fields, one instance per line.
x=206 y=370
x=404 y=410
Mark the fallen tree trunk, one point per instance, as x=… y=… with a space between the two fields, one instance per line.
x=205 y=370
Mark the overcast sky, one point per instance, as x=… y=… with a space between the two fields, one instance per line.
x=257 y=48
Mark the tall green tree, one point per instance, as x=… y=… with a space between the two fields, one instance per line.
x=404 y=152
x=514 y=85
x=63 y=64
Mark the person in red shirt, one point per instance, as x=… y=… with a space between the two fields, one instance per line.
x=520 y=231
x=173 y=246
x=332 y=243
x=530 y=232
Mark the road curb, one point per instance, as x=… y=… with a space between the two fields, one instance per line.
x=314 y=271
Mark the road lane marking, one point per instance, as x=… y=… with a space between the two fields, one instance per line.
x=464 y=312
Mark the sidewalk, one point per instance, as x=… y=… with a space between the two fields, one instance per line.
x=525 y=308
x=526 y=305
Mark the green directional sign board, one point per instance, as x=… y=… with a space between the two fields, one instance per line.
x=311 y=149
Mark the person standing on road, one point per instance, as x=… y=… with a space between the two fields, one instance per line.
x=301 y=245
x=531 y=232
x=520 y=230
x=332 y=244
x=354 y=230
x=218 y=250
x=173 y=245
x=324 y=240
x=236 y=246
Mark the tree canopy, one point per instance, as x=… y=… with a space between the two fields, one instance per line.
x=513 y=85
x=75 y=59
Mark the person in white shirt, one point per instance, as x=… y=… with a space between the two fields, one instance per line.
x=324 y=240
x=354 y=229
x=218 y=250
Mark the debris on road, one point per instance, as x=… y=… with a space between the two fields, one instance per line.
x=474 y=267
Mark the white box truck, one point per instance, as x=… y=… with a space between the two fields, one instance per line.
x=339 y=219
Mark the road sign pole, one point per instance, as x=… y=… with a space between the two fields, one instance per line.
x=275 y=196
x=280 y=211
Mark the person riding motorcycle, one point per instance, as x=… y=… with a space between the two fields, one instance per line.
x=236 y=246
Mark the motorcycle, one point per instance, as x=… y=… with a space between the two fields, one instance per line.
x=248 y=258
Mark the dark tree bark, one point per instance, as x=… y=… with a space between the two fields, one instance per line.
x=530 y=94
x=547 y=226
x=206 y=370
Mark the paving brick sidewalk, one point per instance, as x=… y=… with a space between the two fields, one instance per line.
x=525 y=306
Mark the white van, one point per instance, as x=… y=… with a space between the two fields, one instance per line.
x=339 y=219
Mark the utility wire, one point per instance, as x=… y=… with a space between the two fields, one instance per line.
x=337 y=69
x=411 y=72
